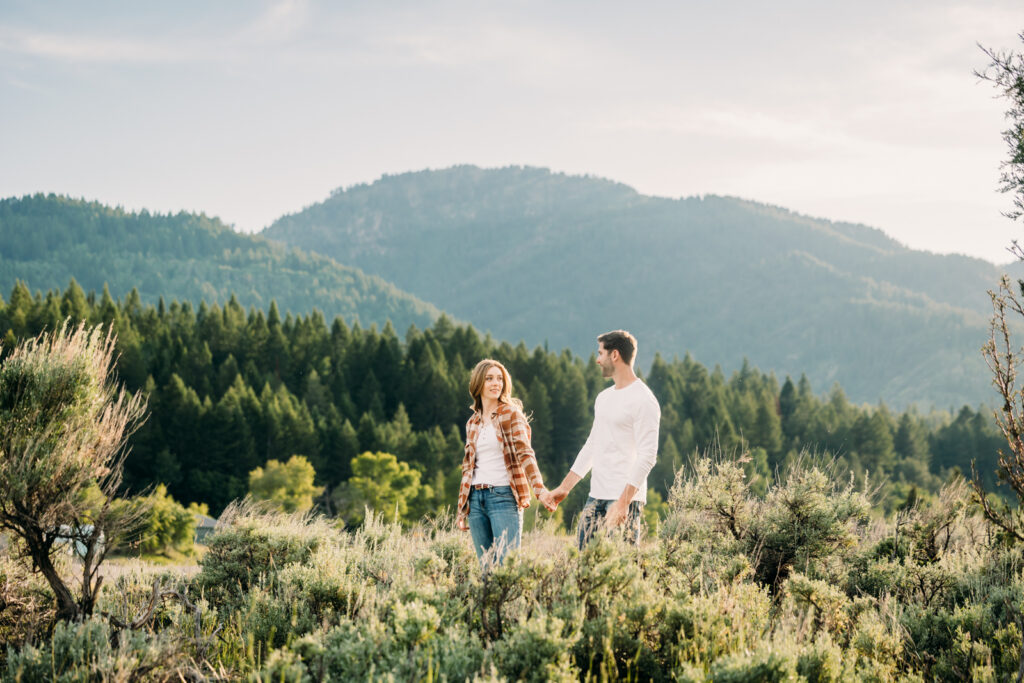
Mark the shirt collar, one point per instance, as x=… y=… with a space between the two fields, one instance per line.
x=478 y=415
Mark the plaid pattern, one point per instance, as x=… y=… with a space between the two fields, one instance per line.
x=513 y=433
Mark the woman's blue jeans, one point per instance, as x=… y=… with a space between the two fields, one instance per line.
x=495 y=523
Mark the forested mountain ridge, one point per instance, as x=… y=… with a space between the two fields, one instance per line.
x=546 y=257
x=46 y=239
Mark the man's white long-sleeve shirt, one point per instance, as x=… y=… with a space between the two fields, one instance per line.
x=623 y=443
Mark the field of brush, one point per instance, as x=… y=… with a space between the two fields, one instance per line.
x=803 y=583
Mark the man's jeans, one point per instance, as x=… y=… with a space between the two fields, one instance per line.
x=592 y=518
x=495 y=523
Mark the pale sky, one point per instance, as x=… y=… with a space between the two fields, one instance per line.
x=864 y=112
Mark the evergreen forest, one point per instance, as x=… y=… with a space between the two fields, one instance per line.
x=230 y=389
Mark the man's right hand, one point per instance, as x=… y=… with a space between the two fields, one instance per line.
x=461 y=524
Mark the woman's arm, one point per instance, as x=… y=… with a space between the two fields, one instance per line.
x=519 y=433
x=462 y=506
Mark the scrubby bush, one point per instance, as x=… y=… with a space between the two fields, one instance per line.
x=765 y=665
x=820 y=661
x=85 y=651
x=27 y=606
x=805 y=518
x=536 y=650
x=64 y=424
x=252 y=546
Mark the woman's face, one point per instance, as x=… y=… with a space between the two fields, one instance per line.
x=494 y=383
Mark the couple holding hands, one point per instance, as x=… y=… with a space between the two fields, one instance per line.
x=499 y=468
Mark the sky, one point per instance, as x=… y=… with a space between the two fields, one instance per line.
x=865 y=112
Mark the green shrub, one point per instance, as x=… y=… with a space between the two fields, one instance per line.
x=372 y=650
x=414 y=623
x=765 y=665
x=253 y=546
x=283 y=666
x=82 y=651
x=625 y=643
x=268 y=619
x=536 y=650
x=325 y=583
x=804 y=520
x=820 y=661
x=876 y=647
x=604 y=574
x=704 y=627
x=826 y=606
x=493 y=595
x=457 y=556
x=319 y=586
x=984 y=633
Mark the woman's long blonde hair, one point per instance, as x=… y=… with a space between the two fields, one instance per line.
x=476 y=385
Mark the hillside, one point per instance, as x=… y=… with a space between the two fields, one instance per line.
x=529 y=254
x=46 y=240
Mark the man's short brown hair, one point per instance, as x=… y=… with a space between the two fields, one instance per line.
x=621 y=341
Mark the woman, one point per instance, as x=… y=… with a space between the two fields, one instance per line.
x=499 y=466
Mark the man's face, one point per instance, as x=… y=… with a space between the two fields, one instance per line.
x=604 y=360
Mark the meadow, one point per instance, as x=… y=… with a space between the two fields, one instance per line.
x=803 y=582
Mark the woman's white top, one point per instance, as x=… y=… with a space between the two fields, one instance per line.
x=490 y=460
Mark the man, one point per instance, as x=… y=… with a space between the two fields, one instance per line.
x=622 y=446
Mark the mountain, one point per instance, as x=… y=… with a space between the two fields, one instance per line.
x=546 y=257
x=45 y=240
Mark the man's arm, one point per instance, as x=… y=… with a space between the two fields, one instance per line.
x=646 y=423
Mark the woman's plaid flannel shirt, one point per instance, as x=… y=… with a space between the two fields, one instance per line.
x=513 y=433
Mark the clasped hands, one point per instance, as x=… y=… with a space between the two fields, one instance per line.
x=551 y=498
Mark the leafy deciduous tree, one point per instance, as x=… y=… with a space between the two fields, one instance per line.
x=168 y=524
x=379 y=482
x=288 y=485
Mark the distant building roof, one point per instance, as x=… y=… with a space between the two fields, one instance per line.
x=204 y=521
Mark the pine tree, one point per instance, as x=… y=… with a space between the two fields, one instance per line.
x=767 y=432
x=74 y=304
